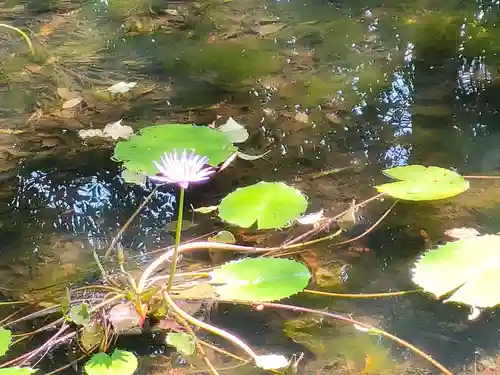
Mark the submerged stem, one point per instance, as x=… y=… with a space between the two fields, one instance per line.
x=178 y=230
x=216 y=331
x=365 y=326
x=129 y=221
x=362 y=295
x=22 y=34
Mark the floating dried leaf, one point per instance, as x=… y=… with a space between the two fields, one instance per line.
x=121 y=87
x=71 y=103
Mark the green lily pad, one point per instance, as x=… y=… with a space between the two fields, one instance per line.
x=138 y=152
x=183 y=342
x=259 y=279
x=468 y=270
x=5 y=340
x=223 y=236
x=17 y=371
x=119 y=363
x=419 y=183
x=79 y=314
x=271 y=204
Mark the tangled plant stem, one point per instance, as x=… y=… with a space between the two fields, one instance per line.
x=365 y=326
x=22 y=34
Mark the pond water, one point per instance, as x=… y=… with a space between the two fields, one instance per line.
x=360 y=86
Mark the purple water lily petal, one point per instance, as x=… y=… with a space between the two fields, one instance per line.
x=183 y=169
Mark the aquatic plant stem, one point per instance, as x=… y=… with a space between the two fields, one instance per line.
x=361 y=295
x=178 y=231
x=365 y=326
x=216 y=331
x=330 y=220
x=22 y=34
x=199 y=347
x=129 y=221
x=185 y=247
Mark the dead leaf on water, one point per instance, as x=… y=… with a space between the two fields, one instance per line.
x=71 y=103
x=244 y=156
x=223 y=236
x=66 y=94
x=205 y=210
x=269 y=28
x=234 y=131
x=121 y=87
x=33 y=68
x=302 y=117
x=116 y=130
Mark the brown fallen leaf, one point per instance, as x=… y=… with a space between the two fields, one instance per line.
x=71 y=103
x=66 y=94
x=302 y=117
x=33 y=68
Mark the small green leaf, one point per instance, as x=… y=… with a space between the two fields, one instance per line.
x=5 y=340
x=138 y=152
x=419 y=183
x=271 y=204
x=183 y=342
x=79 y=314
x=223 y=236
x=91 y=336
x=17 y=371
x=469 y=269
x=120 y=363
x=259 y=279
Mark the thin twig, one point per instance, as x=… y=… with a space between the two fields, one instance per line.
x=199 y=347
x=362 y=295
x=331 y=220
x=129 y=221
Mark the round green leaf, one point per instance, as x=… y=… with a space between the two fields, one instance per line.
x=271 y=204
x=5 y=340
x=469 y=269
x=260 y=279
x=183 y=342
x=79 y=314
x=17 y=371
x=120 y=363
x=419 y=183
x=138 y=152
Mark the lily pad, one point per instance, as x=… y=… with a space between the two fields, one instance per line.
x=5 y=340
x=17 y=371
x=183 y=342
x=419 y=183
x=223 y=236
x=119 y=363
x=80 y=314
x=259 y=279
x=138 y=152
x=468 y=269
x=271 y=205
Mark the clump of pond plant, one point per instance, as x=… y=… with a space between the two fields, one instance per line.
x=185 y=154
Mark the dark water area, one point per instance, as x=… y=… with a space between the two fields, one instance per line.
x=360 y=86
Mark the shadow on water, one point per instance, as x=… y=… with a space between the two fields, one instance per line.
x=319 y=84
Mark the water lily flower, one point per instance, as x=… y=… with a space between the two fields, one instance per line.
x=183 y=169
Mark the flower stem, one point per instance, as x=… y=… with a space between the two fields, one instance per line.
x=178 y=231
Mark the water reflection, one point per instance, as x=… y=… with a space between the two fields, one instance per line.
x=92 y=204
